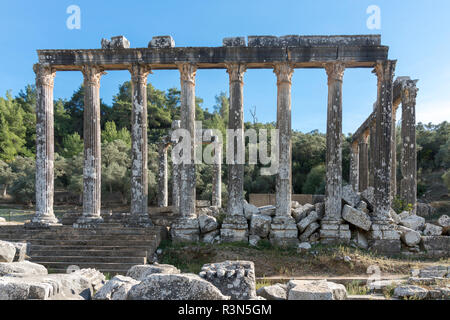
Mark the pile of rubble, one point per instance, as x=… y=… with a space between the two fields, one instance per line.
x=405 y=233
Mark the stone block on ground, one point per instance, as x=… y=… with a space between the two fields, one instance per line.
x=438 y=271
x=260 y=225
x=142 y=271
x=283 y=231
x=410 y=237
x=207 y=223
x=432 y=230
x=309 y=231
x=339 y=291
x=185 y=230
x=277 y=291
x=211 y=237
x=385 y=246
x=116 y=289
x=410 y=292
x=437 y=243
x=175 y=287
x=309 y=290
x=21 y=251
x=22 y=268
x=267 y=210
x=253 y=240
x=7 y=251
x=305 y=222
x=413 y=222
x=319 y=207
x=303 y=247
x=379 y=285
x=233 y=278
x=350 y=196
x=301 y=212
x=249 y=210
x=368 y=196
x=356 y=217
x=444 y=222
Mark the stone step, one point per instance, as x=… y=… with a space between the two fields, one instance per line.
x=129 y=252
x=34 y=247
x=87 y=259
x=71 y=231
x=91 y=243
x=111 y=272
x=149 y=237
x=96 y=265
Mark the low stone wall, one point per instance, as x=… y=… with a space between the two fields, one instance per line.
x=267 y=199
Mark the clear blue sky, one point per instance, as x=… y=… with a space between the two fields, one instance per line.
x=417 y=32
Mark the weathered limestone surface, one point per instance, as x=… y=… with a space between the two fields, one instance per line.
x=333 y=190
x=22 y=268
x=354 y=166
x=139 y=170
x=216 y=197
x=7 y=251
x=283 y=231
x=116 y=289
x=175 y=287
x=372 y=148
x=356 y=217
x=284 y=73
x=315 y=290
x=163 y=177
x=92 y=147
x=383 y=148
x=161 y=42
x=260 y=225
x=117 y=42
x=235 y=145
x=277 y=291
x=44 y=146
x=444 y=222
x=142 y=271
x=408 y=184
x=176 y=124
x=233 y=278
x=363 y=163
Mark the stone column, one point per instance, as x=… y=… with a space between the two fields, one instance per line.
x=44 y=147
x=332 y=228
x=283 y=228
x=408 y=184
x=354 y=166
x=92 y=148
x=163 y=179
x=394 y=154
x=176 y=124
x=235 y=227
x=139 y=167
x=186 y=228
x=364 y=162
x=372 y=136
x=216 y=199
x=383 y=237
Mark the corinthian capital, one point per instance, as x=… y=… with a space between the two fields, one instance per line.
x=236 y=71
x=409 y=92
x=139 y=73
x=92 y=74
x=45 y=75
x=335 y=71
x=284 y=72
x=385 y=70
x=187 y=71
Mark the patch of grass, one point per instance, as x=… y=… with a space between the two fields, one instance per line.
x=262 y=283
x=388 y=291
x=356 y=288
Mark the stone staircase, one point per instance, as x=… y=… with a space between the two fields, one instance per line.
x=109 y=248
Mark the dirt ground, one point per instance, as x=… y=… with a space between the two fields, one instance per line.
x=321 y=261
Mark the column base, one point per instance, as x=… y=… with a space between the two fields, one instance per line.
x=334 y=232
x=139 y=221
x=42 y=222
x=88 y=222
x=384 y=238
x=234 y=229
x=283 y=231
x=185 y=229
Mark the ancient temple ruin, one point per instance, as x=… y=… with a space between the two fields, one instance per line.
x=373 y=157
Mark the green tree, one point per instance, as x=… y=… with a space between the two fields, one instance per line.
x=315 y=181
x=72 y=145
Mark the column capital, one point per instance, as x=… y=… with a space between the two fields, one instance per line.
x=355 y=146
x=187 y=71
x=45 y=75
x=409 y=92
x=139 y=72
x=236 y=71
x=284 y=72
x=335 y=71
x=385 y=70
x=92 y=74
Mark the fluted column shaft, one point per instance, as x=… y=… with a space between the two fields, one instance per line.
x=216 y=197
x=44 y=146
x=187 y=172
x=235 y=204
x=408 y=184
x=394 y=154
x=354 y=166
x=176 y=124
x=333 y=190
x=283 y=194
x=363 y=163
x=163 y=180
x=92 y=145
x=372 y=137
x=383 y=146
